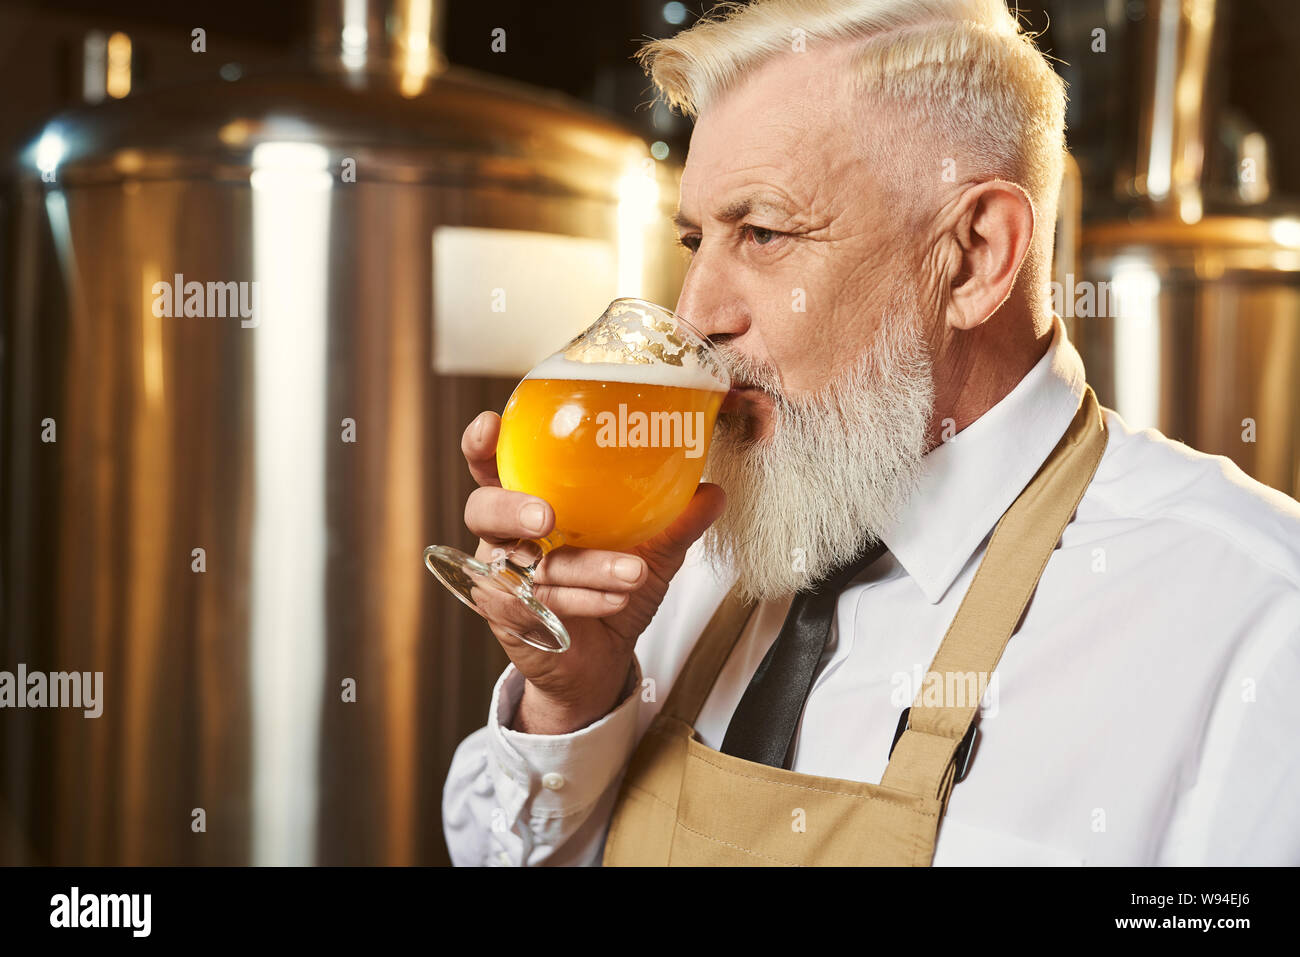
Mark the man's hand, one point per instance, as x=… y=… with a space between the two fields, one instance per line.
x=605 y=599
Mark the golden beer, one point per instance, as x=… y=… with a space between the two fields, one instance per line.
x=616 y=453
x=613 y=431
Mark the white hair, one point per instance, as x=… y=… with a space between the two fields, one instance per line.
x=986 y=97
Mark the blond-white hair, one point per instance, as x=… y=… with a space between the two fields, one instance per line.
x=964 y=81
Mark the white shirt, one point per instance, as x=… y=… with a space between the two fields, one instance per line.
x=1145 y=712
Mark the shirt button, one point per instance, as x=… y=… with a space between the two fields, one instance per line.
x=504 y=858
x=552 y=780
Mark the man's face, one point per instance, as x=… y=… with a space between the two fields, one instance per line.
x=795 y=247
x=801 y=276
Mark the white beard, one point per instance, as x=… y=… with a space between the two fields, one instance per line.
x=835 y=470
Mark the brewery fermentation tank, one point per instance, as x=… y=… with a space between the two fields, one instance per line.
x=1198 y=334
x=244 y=327
x=1186 y=305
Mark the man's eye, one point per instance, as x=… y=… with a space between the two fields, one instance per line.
x=689 y=242
x=760 y=235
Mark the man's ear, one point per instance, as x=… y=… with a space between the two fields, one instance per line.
x=993 y=229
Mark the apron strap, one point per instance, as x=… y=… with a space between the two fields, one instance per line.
x=923 y=760
x=696 y=679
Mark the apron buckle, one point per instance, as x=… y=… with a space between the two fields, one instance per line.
x=961 y=757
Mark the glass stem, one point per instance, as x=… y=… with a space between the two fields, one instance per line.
x=525 y=554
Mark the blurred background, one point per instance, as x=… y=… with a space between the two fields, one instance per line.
x=223 y=508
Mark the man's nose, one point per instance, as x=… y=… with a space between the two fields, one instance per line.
x=710 y=301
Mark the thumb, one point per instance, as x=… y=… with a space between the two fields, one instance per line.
x=664 y=553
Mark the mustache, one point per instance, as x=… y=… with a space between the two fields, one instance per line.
x=749 y=373
x=902 y=344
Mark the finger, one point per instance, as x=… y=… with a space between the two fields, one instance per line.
x=580 y=602
x=498 y=515
x=479 y=446
x=664 y=552
x=589 y=568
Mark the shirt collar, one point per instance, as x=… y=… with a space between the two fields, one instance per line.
x=967 y=482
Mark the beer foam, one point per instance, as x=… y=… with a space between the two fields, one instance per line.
x=689 y=376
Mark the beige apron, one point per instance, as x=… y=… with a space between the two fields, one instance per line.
x=682 y=803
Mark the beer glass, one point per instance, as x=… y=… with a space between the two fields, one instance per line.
x=612 y=430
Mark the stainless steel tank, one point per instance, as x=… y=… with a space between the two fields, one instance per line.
x=1186 y=307
x=244 y=327
x=1202 y=339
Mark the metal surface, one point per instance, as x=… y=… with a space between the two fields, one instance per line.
x=1202 y=335
x=226 y=671
x=1174 y=106
x=1193 y=325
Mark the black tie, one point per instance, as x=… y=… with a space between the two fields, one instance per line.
x=762 y=726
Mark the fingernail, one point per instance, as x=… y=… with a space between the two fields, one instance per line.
x=628 y=569
x=533 y=517
x=613 y=599
x=480 y=425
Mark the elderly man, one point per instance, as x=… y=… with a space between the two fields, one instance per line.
x=909 y=481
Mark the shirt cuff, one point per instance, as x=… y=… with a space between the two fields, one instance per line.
x=562 y=774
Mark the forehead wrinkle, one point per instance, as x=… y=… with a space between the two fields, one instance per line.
x=757 y=198
x=774 y=156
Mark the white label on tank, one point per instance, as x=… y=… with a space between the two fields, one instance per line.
x=503 y=299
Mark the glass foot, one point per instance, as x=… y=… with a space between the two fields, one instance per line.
x=501 y=592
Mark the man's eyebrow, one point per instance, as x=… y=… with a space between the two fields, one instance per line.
x=681 y=220
x=737 y=210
